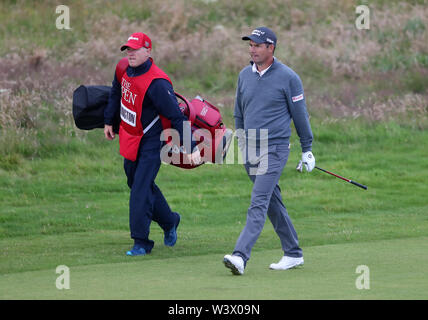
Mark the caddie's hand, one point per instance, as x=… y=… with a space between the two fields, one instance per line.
x=308 y=160
x=192 y=158
x=108 y=132
x=195 y=157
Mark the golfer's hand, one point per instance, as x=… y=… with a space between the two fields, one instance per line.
x=308 y=160
x=108 y=132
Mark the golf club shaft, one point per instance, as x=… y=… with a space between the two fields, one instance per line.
x=347 y=180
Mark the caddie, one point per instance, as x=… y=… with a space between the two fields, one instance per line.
x=144 y=96
x=269 y=95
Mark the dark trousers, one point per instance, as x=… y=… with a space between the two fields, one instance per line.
x=146 y=202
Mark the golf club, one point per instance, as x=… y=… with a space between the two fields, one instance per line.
x=348 y=180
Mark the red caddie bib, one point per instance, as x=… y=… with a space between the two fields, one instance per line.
x=133 y=91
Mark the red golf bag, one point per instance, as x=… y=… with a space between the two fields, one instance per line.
x=212 y=136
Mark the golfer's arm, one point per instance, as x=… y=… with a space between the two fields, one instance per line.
x=299 y=114
x=237 y=113
x=303 y=127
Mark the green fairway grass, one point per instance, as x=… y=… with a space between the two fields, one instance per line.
x=396 y=271
x=73 y=210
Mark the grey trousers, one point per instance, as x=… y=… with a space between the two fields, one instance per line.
x=266 y=199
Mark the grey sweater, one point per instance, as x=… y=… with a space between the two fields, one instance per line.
x=270 y=102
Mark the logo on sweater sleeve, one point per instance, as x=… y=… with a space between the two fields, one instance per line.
x=297 y=98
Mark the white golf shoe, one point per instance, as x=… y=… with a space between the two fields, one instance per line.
x=234 y=263
x=287 y=263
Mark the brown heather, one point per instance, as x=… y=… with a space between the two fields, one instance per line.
x=320 y=43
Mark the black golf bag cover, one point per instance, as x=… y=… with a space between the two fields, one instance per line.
x=88 y=107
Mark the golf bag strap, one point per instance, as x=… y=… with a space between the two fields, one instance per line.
x=150 y=125
x=192 y=115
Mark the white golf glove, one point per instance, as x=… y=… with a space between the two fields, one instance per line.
x=308 y=160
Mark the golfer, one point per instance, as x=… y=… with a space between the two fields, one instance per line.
x=269 y=95
x=145 y=99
